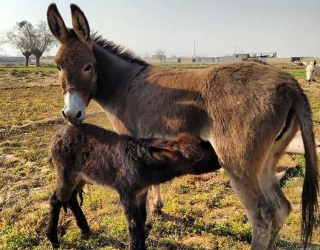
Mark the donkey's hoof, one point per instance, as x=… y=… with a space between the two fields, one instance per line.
x=157 y=208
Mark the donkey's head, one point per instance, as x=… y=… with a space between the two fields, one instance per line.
x=75 y=61
x=310 y=70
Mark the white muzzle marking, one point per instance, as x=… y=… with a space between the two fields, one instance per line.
x=74 y=109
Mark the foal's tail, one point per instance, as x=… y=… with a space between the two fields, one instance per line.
x=310 y=185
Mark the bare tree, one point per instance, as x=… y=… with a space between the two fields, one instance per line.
x=161 y=54
x=31 y=40
x=17 y=39
x=40 y=39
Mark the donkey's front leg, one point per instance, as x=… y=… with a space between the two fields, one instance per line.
x=52 y=230
x=157 y=199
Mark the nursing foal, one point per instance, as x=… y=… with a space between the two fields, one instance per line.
x=89 y=154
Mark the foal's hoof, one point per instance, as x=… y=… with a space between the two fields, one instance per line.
x=147 y=228
x=86 y=234
x=55 y=245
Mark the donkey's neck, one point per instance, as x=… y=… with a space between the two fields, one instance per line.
x=114 y=77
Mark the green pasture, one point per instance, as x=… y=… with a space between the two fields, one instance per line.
x=200 y=212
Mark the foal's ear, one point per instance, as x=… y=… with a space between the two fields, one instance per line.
x=56 y=24
x=162 y=154
x=80 y=24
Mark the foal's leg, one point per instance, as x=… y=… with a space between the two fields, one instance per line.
x=52 y=230
x=143 y=215
x=74 y=206
x=135 y=224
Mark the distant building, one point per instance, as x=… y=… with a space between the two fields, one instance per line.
x=296 y=58
x=206 y=59
x=12 y=59
x=158 y=57
x=172 y=60
x=248 y=56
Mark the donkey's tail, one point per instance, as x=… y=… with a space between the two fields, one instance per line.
x=310 y=185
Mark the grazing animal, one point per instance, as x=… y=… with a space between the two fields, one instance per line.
x=313 y=69
x=87 y=153
x=248 y=111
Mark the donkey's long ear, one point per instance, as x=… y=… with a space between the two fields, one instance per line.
x=162 y=154
x=80 y=24
x=56 y=24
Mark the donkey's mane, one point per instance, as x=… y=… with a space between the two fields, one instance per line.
x=113 y=48
x=117 y=49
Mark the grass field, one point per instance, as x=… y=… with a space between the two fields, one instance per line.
x=200 y=212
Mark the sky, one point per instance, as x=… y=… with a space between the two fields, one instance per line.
x=180 y=27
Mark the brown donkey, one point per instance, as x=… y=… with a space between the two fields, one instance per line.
x=248 y=111
x=87 y=153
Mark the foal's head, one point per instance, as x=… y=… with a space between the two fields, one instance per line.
x=75 y=61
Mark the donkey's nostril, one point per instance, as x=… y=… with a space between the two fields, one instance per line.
x=78 y=115
x=63 y=114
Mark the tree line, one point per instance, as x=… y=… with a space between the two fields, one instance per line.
x=30 y=39
x=35 y=40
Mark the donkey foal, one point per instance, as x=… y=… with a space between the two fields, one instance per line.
x=89 y=154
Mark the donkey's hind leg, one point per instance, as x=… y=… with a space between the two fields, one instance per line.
x=270 y=184
x=74 y=206
x=52 y=230
x=275 y=196
x=259 y=211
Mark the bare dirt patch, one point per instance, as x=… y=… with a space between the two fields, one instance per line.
x=14 y=79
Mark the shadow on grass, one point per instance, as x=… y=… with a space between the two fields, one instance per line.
x=283 y=244
x=95 y=240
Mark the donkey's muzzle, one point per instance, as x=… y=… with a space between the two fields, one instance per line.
x=73 y=117
x=75 y=107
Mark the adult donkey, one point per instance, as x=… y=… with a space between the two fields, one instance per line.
x=248 y=111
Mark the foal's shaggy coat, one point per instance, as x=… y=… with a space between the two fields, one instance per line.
x=87 y=153
x=248 y=111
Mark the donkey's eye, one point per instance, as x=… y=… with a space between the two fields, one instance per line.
x=88 y=68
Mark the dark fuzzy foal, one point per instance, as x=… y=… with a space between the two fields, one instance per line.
x=89 y=154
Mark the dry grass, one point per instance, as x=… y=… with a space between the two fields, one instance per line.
x=200 y=212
